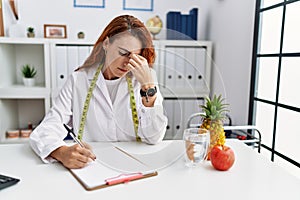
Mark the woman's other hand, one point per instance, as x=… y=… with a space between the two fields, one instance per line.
x=141 y=70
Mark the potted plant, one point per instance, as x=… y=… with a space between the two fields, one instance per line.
x=80 y=35
x=30 y=32
x=29 y=73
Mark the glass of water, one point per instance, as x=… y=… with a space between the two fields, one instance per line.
x=196 y=145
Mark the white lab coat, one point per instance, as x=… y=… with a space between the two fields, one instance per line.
x=104 y=122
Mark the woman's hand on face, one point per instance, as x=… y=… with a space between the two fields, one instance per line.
x=140 y=69
x=73 y=156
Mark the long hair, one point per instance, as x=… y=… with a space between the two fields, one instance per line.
x=122 y=24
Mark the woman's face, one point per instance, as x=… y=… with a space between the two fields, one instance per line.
x=117 y=55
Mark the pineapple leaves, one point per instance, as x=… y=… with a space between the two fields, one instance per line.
x=214 y=108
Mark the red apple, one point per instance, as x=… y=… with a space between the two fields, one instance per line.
x=222 y=157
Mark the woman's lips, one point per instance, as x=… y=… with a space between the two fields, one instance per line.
x=123 y=70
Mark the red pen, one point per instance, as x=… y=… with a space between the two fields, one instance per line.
x=123 y=178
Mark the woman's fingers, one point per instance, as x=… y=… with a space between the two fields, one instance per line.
x=134 y=63
x=90 y=154
x=77 y=157
x=138 y=59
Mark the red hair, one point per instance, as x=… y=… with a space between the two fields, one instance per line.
x=122 y=24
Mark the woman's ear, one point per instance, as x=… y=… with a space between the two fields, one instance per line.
x=106 y=43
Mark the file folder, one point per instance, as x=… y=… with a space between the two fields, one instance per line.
x=61 y=66
x=112 y=167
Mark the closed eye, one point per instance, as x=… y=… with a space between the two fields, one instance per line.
x=123 y=53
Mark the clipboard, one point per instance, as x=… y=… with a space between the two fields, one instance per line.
x=112 y=167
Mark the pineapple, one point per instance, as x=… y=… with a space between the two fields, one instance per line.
x=214 y=109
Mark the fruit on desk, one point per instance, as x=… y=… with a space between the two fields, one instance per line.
x=222 y=157
x=214 y=114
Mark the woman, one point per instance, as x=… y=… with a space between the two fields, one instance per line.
x=113 y=96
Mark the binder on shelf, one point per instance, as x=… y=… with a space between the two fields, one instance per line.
x=170 y=25
x=168 y=111
x=178 y=118
x=61 y=65
x=193 y=23
x=173 y=25
x=190 y=68
x=179 y=67
x=113 y=166
x=182 y=27
x=200 y=62
x=83 y=53
x=169 y=66
x=72 y=59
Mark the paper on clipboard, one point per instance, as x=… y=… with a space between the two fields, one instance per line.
x=111 y=164
x=155 y=157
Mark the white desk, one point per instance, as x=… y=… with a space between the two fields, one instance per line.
x=251 y=177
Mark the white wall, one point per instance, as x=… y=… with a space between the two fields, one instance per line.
x=228 y=23
x=92 y=20
x=230 y=27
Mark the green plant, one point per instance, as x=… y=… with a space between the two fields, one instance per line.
x=28 y=71
x=30 y=29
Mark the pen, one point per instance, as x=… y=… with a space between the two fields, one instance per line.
x=74 y=136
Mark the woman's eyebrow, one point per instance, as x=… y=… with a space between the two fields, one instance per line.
x=124 y=50
x=127 y=51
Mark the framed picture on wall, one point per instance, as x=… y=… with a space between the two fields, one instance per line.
x=55 y=31
x=89 y=3
x=142 y=5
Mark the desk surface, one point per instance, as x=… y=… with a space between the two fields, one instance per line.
x=251 y=177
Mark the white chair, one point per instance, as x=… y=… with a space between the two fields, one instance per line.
x=249 y=134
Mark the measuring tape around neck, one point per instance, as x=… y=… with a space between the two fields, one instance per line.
x=133 y=108
x=88 y=99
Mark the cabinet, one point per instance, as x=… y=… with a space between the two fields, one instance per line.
x=20 y=105
x=183 y=69
x=184 y=73
x=66 y=57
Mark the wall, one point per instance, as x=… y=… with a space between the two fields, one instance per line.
x=228 y=23
x=92 y=20
x=230 y=27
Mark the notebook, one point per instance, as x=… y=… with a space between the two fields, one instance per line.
x=113 y=166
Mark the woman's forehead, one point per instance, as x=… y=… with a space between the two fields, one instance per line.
x=128 y=42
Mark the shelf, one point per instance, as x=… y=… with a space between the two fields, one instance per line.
x=186 y=43
x=10 y=40
x=20 y=104
x=15 y=140
x=184 y=93
x=23 y=92
x=16 y=113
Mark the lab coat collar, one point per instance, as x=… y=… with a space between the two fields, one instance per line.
x=100 y=83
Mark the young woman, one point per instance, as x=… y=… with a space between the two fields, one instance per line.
x=113 y=96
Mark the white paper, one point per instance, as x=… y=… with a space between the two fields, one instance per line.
x=111 y=162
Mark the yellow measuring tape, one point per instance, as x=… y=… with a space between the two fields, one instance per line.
x=133 y=108
x=88 y=99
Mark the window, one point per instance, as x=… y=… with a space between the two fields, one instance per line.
x=275 y=93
